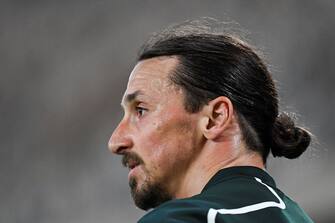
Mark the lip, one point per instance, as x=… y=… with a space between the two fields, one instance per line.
x=133 y=171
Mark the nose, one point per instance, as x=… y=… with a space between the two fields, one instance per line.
x=120 y=141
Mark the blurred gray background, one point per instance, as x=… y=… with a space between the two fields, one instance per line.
x=63 y=69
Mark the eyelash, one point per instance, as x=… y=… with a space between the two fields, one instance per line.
x=139 y=110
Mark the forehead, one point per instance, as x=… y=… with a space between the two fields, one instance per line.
x=151 y=75
x=154 y=68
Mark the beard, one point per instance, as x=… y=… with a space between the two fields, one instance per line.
x=149 y=195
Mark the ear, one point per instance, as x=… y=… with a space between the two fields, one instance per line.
x=217 y=115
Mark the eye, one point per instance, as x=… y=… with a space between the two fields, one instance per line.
x=140 y=111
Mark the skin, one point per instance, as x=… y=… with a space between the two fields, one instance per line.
x=177 y=151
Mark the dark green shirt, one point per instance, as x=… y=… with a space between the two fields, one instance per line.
x=233 y=195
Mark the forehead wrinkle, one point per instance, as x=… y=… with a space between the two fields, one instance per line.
x=152 y=75
x=157 y=67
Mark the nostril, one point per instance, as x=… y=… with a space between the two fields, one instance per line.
x=120 y=140
x=118 y=147
x=121 y=149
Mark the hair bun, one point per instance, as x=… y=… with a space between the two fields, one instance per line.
x=287 y=139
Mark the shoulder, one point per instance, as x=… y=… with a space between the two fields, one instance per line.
x=190 y=210
x=239 y=199
x=233 y=193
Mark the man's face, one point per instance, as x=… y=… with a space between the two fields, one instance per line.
x=157 y=137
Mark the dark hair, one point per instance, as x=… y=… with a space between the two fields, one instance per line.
x=213 y=64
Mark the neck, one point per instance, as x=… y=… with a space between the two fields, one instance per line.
x=209 y=162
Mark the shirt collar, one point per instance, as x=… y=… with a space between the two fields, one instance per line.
x=232 y=172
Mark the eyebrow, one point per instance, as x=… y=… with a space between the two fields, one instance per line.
x=131 y=97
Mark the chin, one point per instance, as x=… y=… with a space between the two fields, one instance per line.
x=148 y=195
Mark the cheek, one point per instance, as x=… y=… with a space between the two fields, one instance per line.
x=150 y=144
x=169 y=145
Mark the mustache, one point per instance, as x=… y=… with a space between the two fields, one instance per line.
x=133 y=157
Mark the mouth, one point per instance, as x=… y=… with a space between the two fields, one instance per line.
x=133 y=168
x=131 y=164
x=131 y=161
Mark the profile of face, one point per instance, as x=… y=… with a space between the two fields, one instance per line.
x=157 y=137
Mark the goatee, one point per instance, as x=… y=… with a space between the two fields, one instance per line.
x=148 y=195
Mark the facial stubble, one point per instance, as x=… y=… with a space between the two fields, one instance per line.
x=148 y=194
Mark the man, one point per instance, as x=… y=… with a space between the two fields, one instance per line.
x=201 y=116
